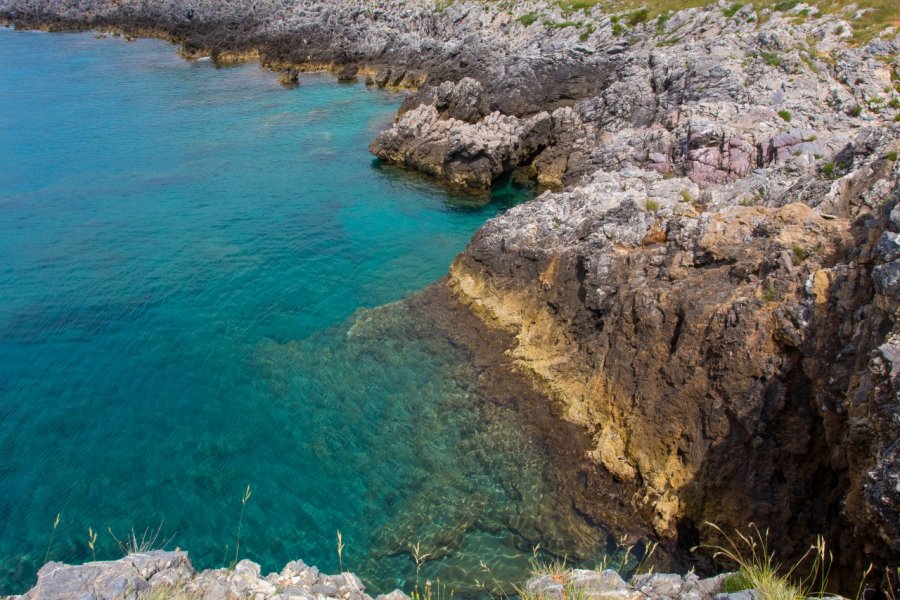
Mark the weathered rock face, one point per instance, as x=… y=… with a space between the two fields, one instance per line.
x=733 y=362
x=160 y=574
x=701 y=95
x=137 y=575
x=609 y=585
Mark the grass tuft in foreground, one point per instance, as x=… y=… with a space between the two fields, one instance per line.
x=758 y=569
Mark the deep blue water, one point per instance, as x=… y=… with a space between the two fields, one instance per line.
x=194 y=268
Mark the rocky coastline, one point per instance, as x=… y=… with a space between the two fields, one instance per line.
x=709 y=288
x=169 y=574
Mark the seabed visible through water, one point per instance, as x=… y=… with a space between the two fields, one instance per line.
x=200 y=286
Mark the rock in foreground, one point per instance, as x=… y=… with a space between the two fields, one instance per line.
x=171 y=573
x=161 y=574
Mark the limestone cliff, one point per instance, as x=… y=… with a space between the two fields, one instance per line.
x=735 y=364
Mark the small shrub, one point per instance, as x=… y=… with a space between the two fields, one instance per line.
x=799 y=254
x=651 y=205
x=771 y=58
x=855 y=111
x=736 y=582
x=617 y=29
x=828 y=170
x=786 y=5
x=560 y=24
x=588 y=30
x=817 y=156
x=576 y=5
x=732 y=10
x=528 y=18
x=897 y=118
x=769 y=294
x=894 y=103
x=639 y=16
x=758 y=570
x=892 y=155
x=839 y=29
x=785 y=115
x=661 y=21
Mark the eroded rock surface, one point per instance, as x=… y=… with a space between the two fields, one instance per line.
x=733 y=361
x=137 y=575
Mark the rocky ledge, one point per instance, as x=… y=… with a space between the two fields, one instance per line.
x=171 y=575
x=160 y=574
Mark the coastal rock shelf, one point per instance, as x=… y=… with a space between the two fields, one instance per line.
x=160 y=574
x=710 y=287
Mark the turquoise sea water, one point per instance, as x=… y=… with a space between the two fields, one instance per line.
x=190 y=264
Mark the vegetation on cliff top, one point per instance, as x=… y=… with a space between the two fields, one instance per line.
x=868 y=18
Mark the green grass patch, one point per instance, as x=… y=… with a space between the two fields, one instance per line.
x=561 y=24
x=757 y=568
x=570 y=6
x=855 y=111
x=528 y=18
x=736 y=582
x=877 y=15
x=732 y=10
x=785 y=5
x=771 y=58
x=892 y=155
x=661 y=21
x=639 y=16
x=785 y=115
x=588 y=30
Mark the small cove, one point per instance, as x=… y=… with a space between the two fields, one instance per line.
x=199 y=283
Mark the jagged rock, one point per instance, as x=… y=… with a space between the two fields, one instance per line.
x=609 y=585
x=126 y=578
x=137 y=574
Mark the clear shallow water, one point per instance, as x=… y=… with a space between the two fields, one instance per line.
x=189 y=258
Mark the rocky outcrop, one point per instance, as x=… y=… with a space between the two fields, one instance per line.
x=171 y=574
x=162 y=574
x=609 y=585
x=684 y=329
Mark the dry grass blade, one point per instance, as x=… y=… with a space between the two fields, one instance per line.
x=150 y=540
x=758 y=569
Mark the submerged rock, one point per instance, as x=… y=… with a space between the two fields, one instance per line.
x=289 y=78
